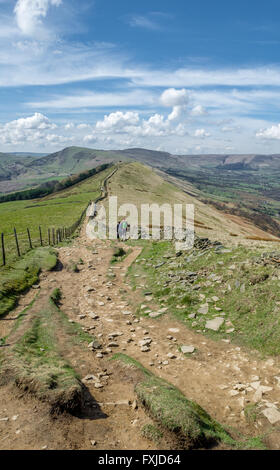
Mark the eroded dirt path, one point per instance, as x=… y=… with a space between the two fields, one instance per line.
x=219 y=375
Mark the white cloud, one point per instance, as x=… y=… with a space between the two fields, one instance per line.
x=157 y=125
x=37 y=121
x=69 y=126
x=83 y=126
x=272 y=132
x=89 y=139
x=29 y=13
x=176 y=113
x=86 y=99
x=189 y=77
x=26 y=129
x=141 y=21
x=172 y=97
x=177 y=99
x=118 y=121
x=201 y=133
x=198 y=110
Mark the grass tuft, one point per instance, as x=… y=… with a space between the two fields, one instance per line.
x=16 y=279
x=190 y=423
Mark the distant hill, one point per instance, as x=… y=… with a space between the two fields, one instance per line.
x=25 y=169
x=13 y=164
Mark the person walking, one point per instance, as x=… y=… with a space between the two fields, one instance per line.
x=122 y=230
x=118 y=230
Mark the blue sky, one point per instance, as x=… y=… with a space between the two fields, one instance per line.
x=184 y=76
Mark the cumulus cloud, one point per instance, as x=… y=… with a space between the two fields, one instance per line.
x=29 y=13
x=157 y=125
x=175 y=99
x=201 y=133
x=37 y=121
x=118 y=121
x=26 y=129
x=69 y=126
x=172 y=97
x=129 y=122
x=89 y=139
x=272 y=133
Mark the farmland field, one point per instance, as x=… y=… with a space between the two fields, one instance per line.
x=55 y=211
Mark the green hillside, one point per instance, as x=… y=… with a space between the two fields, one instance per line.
x=57 y=210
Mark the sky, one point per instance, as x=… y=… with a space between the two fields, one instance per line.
x=187 y=77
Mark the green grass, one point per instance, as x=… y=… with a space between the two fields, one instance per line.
x=119 y=255
x=74 y=330
x=152 y=433
x=248 y=295
x=252 y=412
x=36 y=362
x=55 y=211
x=174 y=412
x=190 y=424
x=16 y=279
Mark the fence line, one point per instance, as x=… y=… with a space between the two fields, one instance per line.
x=23 y=241
x=54 y=236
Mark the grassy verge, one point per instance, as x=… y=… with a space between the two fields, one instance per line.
x=191 y=425
x=74 y=331
x=35 y=362
x=241 y=285
x=16 y=279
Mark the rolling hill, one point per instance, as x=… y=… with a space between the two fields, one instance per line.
x=139 y=184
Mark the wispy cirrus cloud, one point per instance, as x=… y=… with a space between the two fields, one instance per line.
x=140 y=21
x=87 y=99
x=153 y=21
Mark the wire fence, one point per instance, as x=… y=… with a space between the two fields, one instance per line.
x=18 y=243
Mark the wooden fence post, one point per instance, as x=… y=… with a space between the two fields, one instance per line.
x=16 y=238
x=29 y=238
x=49 y=236
x=3 y=249
x=40 y=232
x=53 y=236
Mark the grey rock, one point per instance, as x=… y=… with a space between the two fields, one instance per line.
x=214 y=324
x=203 y=309
x=272 y=414
x=187 y=349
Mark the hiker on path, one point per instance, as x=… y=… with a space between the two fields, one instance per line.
x=122 y=230
x=118 y=227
